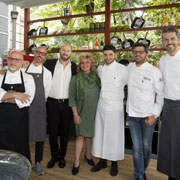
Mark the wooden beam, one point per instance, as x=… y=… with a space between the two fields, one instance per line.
x=68 y=34
x=26 y=29
x=67 y=17
x=107 y=21
x=147 y=8
x=143 y=29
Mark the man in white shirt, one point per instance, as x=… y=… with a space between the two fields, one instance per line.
x=16 y=94
x=169 y=140
x=144 y=104
x=60 y=118
x=108 y=141
x=37 y=111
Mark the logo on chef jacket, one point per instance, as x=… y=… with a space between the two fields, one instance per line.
x=161 y=79
x=146 y=79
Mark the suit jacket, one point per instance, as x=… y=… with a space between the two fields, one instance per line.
x=51 y=63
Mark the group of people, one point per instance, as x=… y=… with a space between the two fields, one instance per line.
x=92 y=99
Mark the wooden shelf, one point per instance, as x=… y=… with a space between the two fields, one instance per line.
x=150 y=49
x=102 y=31
x=67 y=17
x=141 y=29
x=67 y=34
x=100 y=50
x=86 y=50
x=147 y=8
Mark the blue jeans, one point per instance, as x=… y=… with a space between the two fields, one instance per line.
x=141 y=136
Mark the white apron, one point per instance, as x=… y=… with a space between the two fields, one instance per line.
x=108 y=141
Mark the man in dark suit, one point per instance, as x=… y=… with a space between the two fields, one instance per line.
x=58 y=112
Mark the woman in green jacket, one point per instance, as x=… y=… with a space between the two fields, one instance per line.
x=83 y=98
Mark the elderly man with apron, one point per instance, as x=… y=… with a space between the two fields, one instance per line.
x=37 y=110
x=108 y=142
x=16 y=94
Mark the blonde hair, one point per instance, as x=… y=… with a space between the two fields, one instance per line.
x=88 y=57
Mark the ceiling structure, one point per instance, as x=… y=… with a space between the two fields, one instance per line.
x=30 y=3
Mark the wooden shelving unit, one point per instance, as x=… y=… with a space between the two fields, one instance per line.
x=142 y=29
x=68 y=34
x=76 y=51
x=100 y=50
x=108 y=30
x=147 y=8
x=67 y=17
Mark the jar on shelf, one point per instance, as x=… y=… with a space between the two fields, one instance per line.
x=91 y=26
x=97 y=26
x=102 y=25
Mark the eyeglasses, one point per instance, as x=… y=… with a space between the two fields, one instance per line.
x=14 y=59
x=138 y=52
x=40 y=53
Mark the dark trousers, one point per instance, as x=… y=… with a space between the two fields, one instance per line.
x=59 y=123
x=170 y=178
x=39 y=147
x=39 y=151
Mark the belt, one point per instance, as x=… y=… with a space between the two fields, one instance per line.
x=60 y=100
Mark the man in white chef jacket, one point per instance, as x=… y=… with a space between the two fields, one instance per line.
x=144 y=105
x=108 y=142
x=17 y=91
x=169 y=140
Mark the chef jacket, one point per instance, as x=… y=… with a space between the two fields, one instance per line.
x=170 y=68
x=144 y=83
x=47 y=77
x=15 y=78
x=113 y=79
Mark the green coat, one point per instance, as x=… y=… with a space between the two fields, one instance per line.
x=86 y=108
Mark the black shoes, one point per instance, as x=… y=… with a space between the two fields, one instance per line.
x=99 y=166
x=170 y=178
x=114 y=168
x=75 y=170
x=62 y=163
x=52 y=162
x=89 y=161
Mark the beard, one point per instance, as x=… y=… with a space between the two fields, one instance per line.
x=140 y=61
x=172 y=47
x=39 y=59
x=64 y=58
x=12 y=68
